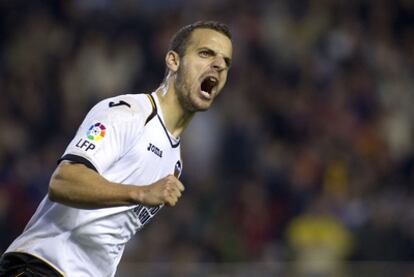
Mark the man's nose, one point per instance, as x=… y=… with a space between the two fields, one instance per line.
x=219 y=64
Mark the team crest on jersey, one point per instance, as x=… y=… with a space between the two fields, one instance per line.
x=177 y=169
x=96 y=132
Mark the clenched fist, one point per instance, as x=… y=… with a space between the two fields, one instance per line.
x=165 y=191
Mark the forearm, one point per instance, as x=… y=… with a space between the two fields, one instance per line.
x=78 y=186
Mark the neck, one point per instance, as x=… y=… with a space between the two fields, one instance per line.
x=176 y=119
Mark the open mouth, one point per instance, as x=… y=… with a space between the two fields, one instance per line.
x=207 y=85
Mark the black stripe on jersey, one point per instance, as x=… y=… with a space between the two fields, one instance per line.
x=77 y=159
x=155 y=112
x=14 y=262
x=168 y=135
x=154 y=109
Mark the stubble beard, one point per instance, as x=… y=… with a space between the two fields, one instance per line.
x=183 y=91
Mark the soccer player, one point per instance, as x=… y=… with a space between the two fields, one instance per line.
x=122 y=166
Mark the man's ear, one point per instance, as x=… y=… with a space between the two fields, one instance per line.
x=172 y=60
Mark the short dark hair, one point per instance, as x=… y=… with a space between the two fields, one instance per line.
x=180 y=40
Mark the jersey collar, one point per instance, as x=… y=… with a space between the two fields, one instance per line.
x=173 y=140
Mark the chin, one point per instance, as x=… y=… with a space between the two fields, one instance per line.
x=199 y=105
x=204 y=106
x=198 y=108
x=203 y=109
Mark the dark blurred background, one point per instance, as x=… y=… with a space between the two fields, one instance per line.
x=305 y=165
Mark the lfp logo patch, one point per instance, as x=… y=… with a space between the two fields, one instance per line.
x=96 y=132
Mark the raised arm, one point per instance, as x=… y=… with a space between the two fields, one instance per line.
x=75 y=185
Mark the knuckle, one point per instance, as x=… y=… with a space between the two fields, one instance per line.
x=171 y=202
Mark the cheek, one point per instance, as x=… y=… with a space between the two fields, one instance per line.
x=187 y=75
x=182 y=76
x=224 y=78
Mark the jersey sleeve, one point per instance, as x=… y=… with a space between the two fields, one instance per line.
x=108 y=131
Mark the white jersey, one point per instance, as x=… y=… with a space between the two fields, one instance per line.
x=125 y=140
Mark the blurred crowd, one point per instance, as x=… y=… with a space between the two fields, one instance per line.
x=307 y=155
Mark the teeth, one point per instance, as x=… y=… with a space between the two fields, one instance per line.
x=205 y=94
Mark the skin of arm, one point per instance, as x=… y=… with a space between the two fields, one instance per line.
x=75 y=185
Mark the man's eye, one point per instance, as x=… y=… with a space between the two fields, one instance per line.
x=204 y=54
